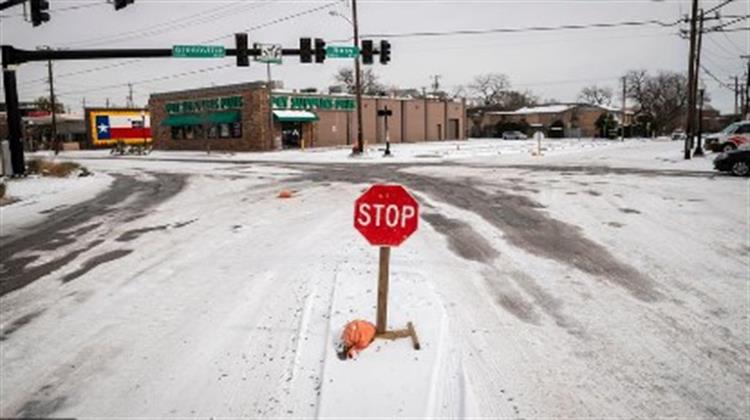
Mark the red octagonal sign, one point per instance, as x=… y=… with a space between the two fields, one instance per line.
x=386 y=215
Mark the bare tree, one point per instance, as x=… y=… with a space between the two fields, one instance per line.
x=369 y=80
x=488 y=88
x=661 y=98
x=596 y=95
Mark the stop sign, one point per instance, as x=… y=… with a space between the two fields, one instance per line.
x=386 y=215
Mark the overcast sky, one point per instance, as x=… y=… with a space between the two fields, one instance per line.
x=551 y=64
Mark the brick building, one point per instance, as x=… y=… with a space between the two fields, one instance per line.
x=246 y=117
x=562 y=120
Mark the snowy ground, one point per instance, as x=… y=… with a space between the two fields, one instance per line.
x=601 y=279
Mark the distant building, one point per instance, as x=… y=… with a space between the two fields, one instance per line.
x=249 y=117
x=557 y=120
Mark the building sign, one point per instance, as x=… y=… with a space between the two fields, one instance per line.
x=313 y=102
x=198 y=51
x=108 y=127
x=204 y=105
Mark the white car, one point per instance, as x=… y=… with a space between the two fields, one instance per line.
x=731 y=138
x=514 y=135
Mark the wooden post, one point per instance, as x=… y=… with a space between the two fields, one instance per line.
x=382 y=317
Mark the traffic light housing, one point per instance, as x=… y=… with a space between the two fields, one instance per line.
x=240 y=44
x=305 y=50
x=385 y=52
x=320 y=50
x=367 y=51
x=121 y=4
x=39 y=12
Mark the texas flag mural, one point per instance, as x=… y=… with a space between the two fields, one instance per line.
x=108 y=127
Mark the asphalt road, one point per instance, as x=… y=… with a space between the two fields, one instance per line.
x=572 y=287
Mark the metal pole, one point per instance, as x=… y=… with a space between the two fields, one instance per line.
x=270 y=105
x=14 y=122
x=622 y=115
x=358 y=82
x=387 y=134
x=691 y=74
x=698 y=148
x=53 y=103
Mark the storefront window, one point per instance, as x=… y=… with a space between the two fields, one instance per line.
x=224 y=131
x=237 y=130
x=213 y=131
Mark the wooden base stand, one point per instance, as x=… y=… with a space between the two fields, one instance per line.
x=409 y=331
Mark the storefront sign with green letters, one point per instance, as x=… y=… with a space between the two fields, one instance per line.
x=203 y=105
x=313 y=102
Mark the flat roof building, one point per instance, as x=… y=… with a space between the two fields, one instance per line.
x=250 y=117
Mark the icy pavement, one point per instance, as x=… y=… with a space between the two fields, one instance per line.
x=603 y=279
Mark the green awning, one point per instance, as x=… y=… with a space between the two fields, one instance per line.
x=294 y=116
x=223 y=117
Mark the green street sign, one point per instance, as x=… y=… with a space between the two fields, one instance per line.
x=341 y=51
x=198 y=51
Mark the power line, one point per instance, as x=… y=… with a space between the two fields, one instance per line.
x=725 y=24
x=260 y=26
x=62 y=9
x=525 y=29
x=718 y=6
x=716 y=79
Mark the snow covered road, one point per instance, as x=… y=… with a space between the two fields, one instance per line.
x=603 y=279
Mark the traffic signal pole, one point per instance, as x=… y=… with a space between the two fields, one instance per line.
x=357 y=82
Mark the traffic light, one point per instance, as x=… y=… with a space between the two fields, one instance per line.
x=39 y=12
x=240 y=44
x=320 y=50
x=120 y=4
x=367 y=51
x=305 y=50
x=385 y=52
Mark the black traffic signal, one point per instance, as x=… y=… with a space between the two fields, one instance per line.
x=320 y=50
x=39 y=12
x=305 y=50
x=120 y=4
x=385 y=52
x=240 y=43
x=367 y=51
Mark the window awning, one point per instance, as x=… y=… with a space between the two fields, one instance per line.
x=223 y=117
x=294 y=116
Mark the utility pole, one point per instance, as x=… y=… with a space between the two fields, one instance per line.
x=130 y=96
x=107 y=103
x=622 y=116
x=269 y=81
x=691 y=75
x=698 y=149
x=83 y=104
x=53 y=104
x=736 y=95
x=746 y=109
x=357 y=82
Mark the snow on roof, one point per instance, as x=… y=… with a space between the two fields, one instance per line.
x=544 y=109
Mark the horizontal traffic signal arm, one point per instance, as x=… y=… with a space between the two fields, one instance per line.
x=13 y=56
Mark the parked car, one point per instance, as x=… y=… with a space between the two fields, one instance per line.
x=736 y=161
x=514 y=135
x=730 y=138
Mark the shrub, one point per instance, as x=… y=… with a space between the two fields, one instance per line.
x=54 y=169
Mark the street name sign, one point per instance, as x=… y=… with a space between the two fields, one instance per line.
x=198 y=51
x=269 y=53
x=342 y=51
